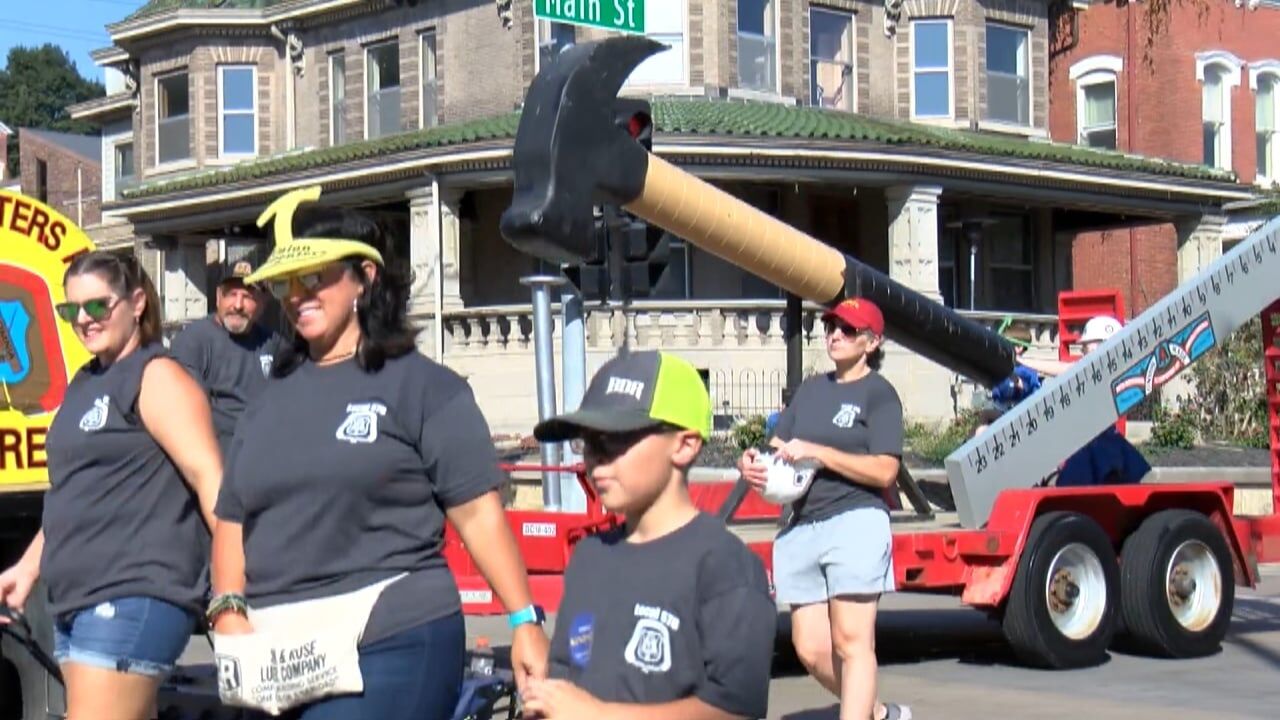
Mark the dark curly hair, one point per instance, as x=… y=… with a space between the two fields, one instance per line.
x=382 y=310
x=875 y=358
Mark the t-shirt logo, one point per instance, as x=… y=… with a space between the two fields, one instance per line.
x=361 y=425
x=265 y=361
x=650 y=646
x=581 y=636
x=96 y=417
x=847 y=416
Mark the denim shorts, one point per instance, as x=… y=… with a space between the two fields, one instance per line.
x=848 y=554
x=138 y=635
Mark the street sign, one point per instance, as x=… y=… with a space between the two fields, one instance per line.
x=625 y=16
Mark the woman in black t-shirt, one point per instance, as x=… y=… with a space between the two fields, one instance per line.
x=122 y=547
x=343 y=471
x=835 y=558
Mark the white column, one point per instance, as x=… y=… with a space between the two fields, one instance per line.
x=913 y=237
x=434 y=234
x=1199 y=244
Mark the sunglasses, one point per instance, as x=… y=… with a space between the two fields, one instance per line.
x=310 y=282
x=607 y=446
x=845 y=329
x=98 y=309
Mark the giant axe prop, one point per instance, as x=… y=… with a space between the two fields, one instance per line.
x=569 y=155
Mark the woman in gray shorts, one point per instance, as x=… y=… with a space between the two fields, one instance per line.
x=835 y=558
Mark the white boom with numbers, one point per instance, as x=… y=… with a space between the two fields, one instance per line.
x=1034 y=438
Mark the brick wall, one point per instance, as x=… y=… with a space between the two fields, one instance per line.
x=1157 y=114
x=63 y=193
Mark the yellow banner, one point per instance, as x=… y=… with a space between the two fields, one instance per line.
x=38 y=353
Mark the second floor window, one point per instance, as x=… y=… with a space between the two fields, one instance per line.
x=1268 y=103
x=237 y=126
x=173 y=119
x=664 y=22
x=1216 y=108
x=1008 y=75
x=124 y=172
x=931 y=68
x=1097 y=112
x=757 y=46
x=382 y=84
x=831 y=83
x=429 y=107
x=337 y=99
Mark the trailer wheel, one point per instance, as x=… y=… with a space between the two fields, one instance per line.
x=1061 y=609
x=1177 y=582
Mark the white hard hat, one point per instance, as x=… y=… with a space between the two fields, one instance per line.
x=1099 y=329
x=786 y=482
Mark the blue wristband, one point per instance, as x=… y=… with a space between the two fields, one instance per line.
x=530 y=614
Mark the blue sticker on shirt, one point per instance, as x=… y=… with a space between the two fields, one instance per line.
x=581 y=633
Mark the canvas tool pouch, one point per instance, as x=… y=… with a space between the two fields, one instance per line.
x=297 y=653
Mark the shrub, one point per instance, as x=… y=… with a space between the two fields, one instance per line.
x=933 y=443
x=749 y=433
x=1229 y=402
x=1172 y=429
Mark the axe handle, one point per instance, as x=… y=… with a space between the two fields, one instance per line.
x=725 y=226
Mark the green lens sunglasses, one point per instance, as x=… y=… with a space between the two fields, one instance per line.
x=98 y=309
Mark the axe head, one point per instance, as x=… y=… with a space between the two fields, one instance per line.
x=570 y=154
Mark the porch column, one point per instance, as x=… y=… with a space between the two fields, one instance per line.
x=434 y=227
x=913 y=237
x=1199 y=244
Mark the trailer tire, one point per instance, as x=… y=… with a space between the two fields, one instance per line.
x=1061 y=609
x=1167 y=620
x=43 y=696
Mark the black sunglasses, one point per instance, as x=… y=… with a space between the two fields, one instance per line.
x=845 y=329
x=98 y=309
x=310 y=281
x=610 y=445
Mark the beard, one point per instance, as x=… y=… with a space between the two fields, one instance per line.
x=235 y=323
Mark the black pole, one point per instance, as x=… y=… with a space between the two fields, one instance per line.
x=793 y=327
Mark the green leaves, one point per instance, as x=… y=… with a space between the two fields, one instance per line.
x=36 y=86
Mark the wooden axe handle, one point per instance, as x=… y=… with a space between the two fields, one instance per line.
x=727 y=227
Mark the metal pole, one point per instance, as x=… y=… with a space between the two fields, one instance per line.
x=573 y=355
x=794 y=323
x=545 y=364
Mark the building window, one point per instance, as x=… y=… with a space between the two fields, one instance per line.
x=1095 y=79
x=553 y=38
x=1218 y=72
x=382 y=90
x=757 y=46
x=988 y=264
x=831 y=53
x=1267 y=110
x=664 y=23
x=173 y=119
x=124 y=168
x=337 y=99
x=237 y=104
x=931 y=68
x=429 y=106
x=42 y=181
x=1008 y=74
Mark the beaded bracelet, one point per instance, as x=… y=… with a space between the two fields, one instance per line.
x=226 y=602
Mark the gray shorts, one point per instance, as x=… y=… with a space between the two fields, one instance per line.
x=848 y=554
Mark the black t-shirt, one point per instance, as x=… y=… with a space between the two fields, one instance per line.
x=231 y=368
x=862 y=417
x=686 y=615
x=118 y=517
x=341 y=478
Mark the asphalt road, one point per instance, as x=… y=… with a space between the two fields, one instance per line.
x=950 y=662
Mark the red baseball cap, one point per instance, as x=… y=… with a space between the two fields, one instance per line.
x=858 y=313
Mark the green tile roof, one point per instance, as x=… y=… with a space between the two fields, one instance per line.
x=155 y=6
x=709 y=118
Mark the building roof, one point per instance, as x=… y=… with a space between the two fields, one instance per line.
x=4 y=129
x=156 y=6
x=710 y=119
x=88 y=147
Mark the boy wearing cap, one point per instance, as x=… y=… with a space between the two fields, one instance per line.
x=229 y=352
x=670 y=614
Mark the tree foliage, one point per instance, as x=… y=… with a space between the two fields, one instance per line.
x=36 y=86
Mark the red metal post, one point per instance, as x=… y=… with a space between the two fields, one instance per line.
x=1075 y=308
x=1271 y=359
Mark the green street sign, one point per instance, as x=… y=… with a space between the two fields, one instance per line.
x=626 y=16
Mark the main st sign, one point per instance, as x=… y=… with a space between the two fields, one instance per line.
x=625 y=16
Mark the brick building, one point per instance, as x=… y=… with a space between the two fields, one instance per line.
x=64 y=171
x=1208 y=93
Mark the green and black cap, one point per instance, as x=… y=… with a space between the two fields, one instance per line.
x=635 y=391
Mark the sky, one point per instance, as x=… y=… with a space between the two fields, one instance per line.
x=77 y=26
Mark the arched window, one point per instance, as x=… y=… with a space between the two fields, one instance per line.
x=1095 y=81
x=1218 y=71
x=1264 y=80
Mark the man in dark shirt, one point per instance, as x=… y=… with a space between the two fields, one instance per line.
x=229 y=352
x=669 y=615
